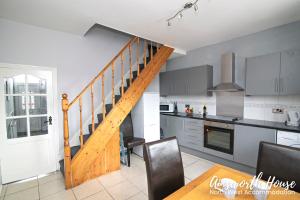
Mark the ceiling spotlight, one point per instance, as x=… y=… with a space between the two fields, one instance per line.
x=179 y=13
x=188 y=5
x=195 y=7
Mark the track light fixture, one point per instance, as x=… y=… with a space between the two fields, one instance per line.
x=185 y=7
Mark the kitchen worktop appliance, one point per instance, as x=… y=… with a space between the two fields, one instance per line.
x=166 y=108
x=293 y=118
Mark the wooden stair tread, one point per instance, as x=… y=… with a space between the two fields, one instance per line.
x=90 y=127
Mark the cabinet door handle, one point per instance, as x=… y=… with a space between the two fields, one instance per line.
x=281 y=84
x=275 y=85
x=277 y=90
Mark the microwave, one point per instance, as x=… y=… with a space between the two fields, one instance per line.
x=167 y=107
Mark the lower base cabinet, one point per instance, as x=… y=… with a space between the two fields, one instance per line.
x=246 y=143
x=173 y=126
x=193 y=134
x=190 y=134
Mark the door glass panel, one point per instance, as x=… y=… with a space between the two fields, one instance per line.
x=38 y=126
x=36 y=85
x=37 y=105
x=15 y=84
x=15 y=105
x=16 y=128
x=219 y=139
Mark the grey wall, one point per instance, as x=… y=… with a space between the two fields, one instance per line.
x=77 y=59
x=272 y=40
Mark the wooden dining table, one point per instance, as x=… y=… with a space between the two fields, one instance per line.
x=200 y=188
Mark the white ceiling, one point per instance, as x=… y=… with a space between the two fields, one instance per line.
x=216 y=20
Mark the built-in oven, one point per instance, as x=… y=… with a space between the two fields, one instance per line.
x=219 y=136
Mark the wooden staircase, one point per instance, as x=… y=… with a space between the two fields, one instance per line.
x=99 y=151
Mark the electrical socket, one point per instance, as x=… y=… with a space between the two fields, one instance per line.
x=278 y=110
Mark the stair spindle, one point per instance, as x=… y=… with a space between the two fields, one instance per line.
x=122 y=73
x=138 y=55
x=92 y=107
x=81 y=129
x=145 y=53
x=113 y=83
x=130 y=64
x=103 y=98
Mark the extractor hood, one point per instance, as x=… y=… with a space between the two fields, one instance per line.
x=228 y=81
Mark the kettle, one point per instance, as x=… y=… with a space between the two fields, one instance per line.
x=293 y=118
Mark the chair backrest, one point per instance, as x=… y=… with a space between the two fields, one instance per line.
x=164 y=168
x=127 y=127
x=281 y=162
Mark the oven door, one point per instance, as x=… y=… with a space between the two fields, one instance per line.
x=219 y=139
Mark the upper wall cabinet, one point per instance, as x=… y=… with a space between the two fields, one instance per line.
x=262 y=74
x=273 y=74
x=188 y=82
x=290 y=72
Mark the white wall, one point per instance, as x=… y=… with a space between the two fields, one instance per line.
x=272 y=40
x=77 y=59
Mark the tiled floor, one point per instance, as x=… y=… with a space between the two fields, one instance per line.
x=128 y=183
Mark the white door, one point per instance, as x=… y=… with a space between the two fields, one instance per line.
x=27 y=135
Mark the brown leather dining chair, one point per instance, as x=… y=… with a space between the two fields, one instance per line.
x=130 y=141
x=164 y=167
x=281 y=162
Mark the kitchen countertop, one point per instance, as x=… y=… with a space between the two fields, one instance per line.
x=248 y=122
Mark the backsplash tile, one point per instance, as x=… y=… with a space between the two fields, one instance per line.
x=255 y=107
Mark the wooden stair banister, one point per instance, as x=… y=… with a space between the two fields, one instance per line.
x=67 y=149
x=100 y=153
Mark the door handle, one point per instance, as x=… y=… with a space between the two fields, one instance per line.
x=275 y=83
x=49 y=121
x=281 y=84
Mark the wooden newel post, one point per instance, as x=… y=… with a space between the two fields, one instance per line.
x=67 y=149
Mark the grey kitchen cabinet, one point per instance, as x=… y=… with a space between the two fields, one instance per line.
x=274 y=74
x=178 y=83
x=189 y=81
x=193 y=134
x=164 y=79
x=199 y=79
x=246 y=143
x=163 y=122
x=262 y=75
x=289 y=80
x=172 y=126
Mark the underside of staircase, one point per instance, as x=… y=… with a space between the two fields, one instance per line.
x=99 y=151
